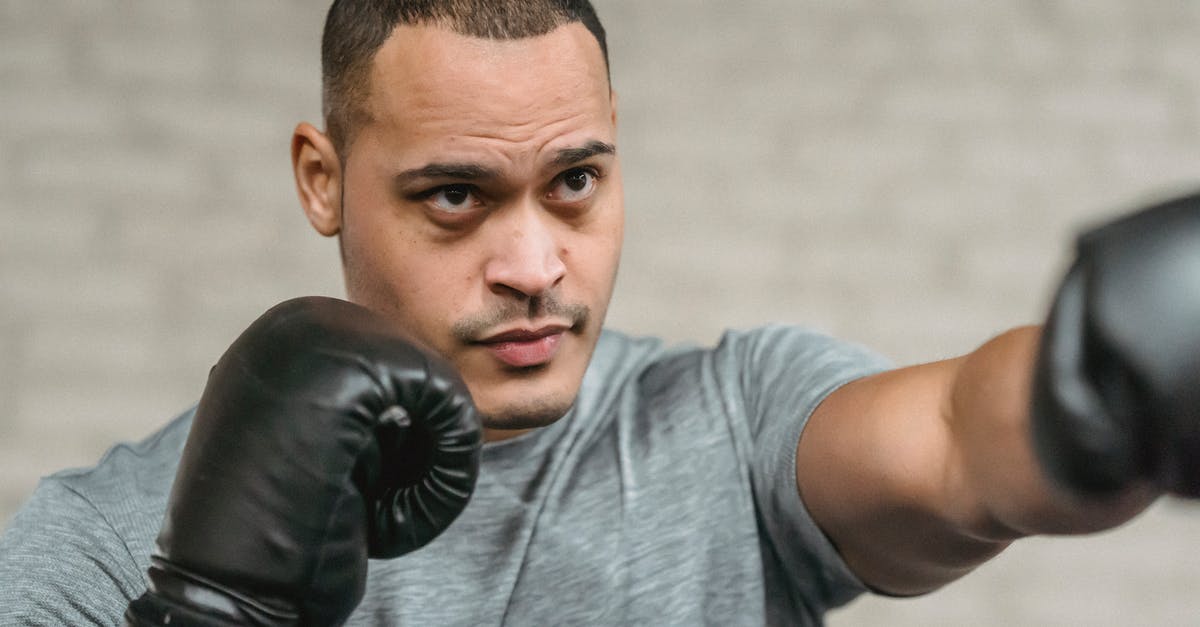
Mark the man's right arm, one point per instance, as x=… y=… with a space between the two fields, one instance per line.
x=61 y=563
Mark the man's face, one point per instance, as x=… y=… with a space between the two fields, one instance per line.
x=482 y=209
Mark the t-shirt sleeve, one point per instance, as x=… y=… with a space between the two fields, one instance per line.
x=782 y=374
x=61 y=563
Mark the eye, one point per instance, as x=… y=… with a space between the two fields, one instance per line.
x=574 y=185
x=453 y=198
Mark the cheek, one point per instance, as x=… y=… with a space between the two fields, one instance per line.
x=597 y=251
x=372 y=254
x=388 y=270
x=430 y=287
x=591 y=274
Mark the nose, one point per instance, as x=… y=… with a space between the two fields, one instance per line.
x=526 y=261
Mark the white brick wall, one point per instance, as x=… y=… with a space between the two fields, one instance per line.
x=903 y=174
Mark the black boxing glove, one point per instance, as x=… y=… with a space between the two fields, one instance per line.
x=322 y=438
x=1116 y=394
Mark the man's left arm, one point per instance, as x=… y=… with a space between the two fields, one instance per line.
x=920 y=474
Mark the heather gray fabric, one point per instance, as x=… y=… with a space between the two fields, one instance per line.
x=666 y=497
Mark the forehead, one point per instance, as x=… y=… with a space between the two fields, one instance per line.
x=429 y=81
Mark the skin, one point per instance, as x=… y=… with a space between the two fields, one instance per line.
x=920 y=474
x=523 y=232
x=917 y=475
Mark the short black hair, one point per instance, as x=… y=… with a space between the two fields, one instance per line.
x=355 y=29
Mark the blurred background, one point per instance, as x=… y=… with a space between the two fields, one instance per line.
x=906 y=175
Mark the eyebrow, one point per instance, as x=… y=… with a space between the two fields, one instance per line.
x=477 y=172
x=460 y=171
x=568 y=156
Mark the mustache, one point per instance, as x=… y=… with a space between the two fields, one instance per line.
x=472 y=328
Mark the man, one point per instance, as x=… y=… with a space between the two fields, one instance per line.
x=469 y=169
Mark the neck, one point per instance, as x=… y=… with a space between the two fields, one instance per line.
x=499 y=435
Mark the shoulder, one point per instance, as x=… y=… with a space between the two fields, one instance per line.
x=618 y=352
x=132 y=478
x=789 y=361
x=76 y=551
x=777 y=342
x=618 y=360
x=119 y=501
x=747 y=355
x=755 y=381
x=750 y=360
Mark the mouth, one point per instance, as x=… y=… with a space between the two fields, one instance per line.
x=525 y=347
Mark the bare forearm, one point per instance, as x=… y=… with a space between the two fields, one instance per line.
x=936 y=469
x=989 y=425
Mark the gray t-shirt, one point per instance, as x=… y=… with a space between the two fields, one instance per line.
x=667 y=496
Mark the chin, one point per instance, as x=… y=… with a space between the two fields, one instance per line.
x=526 y=414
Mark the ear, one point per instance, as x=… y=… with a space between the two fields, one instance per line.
x=318 y=178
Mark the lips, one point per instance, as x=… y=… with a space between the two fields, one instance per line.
x=524 y=348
